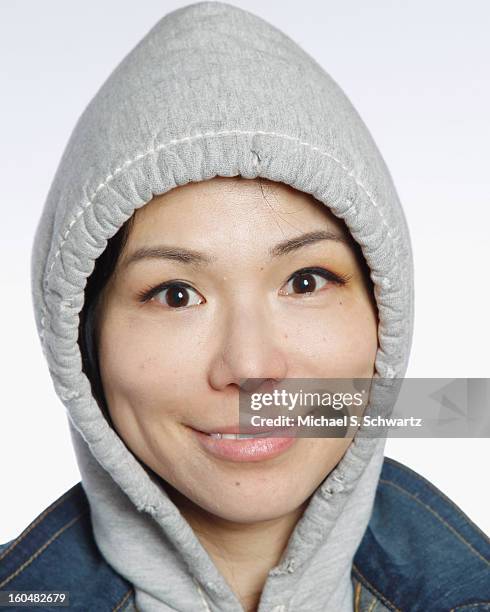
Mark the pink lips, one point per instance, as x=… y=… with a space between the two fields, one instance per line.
x=235 y=429
x=251 y=449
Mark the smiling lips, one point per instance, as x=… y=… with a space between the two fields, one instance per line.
x=233 y=447
x=238 y=436
x=234 y=429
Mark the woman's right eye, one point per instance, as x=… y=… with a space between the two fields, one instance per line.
x=177 y=295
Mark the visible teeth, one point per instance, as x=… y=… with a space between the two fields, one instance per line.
x=222 y=436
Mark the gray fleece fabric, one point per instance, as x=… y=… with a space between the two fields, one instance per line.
x=215 y=90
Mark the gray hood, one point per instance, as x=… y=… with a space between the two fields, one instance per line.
x=215 y=90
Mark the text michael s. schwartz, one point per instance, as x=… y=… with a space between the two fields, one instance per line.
x=341 y=421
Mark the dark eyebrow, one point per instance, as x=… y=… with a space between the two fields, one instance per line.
x=180 y=254
x=282 y=248
x=197 y=259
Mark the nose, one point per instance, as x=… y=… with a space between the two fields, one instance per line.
x=248 y=353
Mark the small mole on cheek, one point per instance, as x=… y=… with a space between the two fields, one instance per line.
x=237 y=484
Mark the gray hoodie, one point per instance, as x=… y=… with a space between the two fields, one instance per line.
x=215 y=90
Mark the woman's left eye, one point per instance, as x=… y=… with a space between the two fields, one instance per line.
x=305 y=281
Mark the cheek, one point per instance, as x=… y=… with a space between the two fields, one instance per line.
x=342 y=341
x=144 y=361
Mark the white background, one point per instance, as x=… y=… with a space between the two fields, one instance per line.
x=417 y=72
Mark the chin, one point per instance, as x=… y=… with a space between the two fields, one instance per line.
x=250 y=508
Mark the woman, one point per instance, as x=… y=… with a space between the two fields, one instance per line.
x=221 y=214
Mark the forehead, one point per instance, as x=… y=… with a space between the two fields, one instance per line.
x=228 y=206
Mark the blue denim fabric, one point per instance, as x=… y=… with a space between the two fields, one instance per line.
x=420 y=553
x=57 y=552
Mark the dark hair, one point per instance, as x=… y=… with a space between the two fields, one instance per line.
x=102 y=272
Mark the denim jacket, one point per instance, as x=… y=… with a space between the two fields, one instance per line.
x=420 y=553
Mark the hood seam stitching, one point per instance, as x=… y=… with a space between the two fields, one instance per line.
x=201 y=595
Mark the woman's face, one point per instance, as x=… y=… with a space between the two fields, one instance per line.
x=172 y=359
